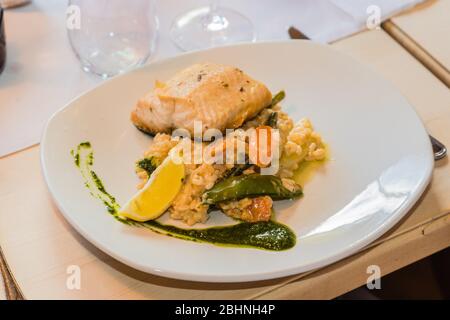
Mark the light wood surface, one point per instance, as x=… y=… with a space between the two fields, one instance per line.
x=8 y=289
x=429 y=25
x=425 y=32
x=39 y=244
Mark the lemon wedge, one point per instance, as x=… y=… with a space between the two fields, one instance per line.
x=158 y=193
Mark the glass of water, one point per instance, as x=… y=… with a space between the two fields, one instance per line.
x=112 y=36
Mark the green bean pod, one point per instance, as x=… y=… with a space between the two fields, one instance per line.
x=272 y=120
x=278 y=98
x=253 y=185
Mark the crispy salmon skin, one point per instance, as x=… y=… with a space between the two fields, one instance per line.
x=220 y=96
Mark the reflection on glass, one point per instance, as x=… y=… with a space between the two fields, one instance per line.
x=210 y=26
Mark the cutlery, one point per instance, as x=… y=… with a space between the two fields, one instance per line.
x=294 y=33
x=439 y=149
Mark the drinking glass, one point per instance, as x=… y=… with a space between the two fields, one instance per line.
x=112 y=36
x=210 y=26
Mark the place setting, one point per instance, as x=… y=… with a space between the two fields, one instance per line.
x=215 y=132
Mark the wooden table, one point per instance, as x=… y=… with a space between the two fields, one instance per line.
x=425 y=32
x=39 y=244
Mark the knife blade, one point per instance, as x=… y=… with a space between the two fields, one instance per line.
x=294 y=33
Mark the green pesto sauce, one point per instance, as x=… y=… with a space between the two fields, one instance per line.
x=148 y=164
x=84 y=159
x=268 y=235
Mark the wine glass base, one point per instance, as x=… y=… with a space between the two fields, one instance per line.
x=201 y=28
x=107 y=67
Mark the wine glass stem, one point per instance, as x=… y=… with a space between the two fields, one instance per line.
x=213 y=6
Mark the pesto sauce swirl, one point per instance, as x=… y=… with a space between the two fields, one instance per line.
x=269 y=235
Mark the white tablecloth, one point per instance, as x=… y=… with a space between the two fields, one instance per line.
x=42 y=73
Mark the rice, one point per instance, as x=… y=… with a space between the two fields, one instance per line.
x=188 y=205
x=298 y=143
x=302 y=144
x=159 y=149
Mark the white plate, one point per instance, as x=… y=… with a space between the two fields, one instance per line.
x=381 y=163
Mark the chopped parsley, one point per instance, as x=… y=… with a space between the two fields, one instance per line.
x=148 y=164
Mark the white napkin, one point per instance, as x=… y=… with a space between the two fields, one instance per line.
x=329 y=20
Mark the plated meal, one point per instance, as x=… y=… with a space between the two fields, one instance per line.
x=227 y=173
x=166 y=170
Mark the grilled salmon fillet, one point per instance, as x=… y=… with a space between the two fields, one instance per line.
x=221 y=97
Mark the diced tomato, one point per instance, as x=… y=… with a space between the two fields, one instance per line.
x=260 y=209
